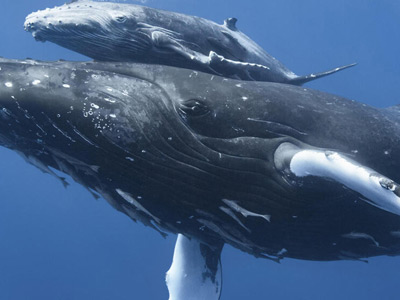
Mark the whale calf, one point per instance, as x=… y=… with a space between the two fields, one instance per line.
x=108 y=31
x=274 y=170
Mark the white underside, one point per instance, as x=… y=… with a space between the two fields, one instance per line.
x=185 y=279
x=356 y=177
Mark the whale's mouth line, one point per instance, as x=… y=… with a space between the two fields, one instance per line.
x=138 y=42
x=58 y=31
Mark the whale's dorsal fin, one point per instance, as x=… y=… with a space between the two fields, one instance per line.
x=231 y=23
x=300 y=80
x=195 y=272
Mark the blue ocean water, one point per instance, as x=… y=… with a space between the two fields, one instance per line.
x=58 y=243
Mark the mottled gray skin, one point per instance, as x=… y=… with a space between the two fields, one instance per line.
x=169 y=147
x=125 y=32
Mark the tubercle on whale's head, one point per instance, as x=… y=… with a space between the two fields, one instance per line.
x=81 y=13
x=81 y=24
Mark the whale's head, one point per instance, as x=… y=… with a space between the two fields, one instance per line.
x=100 y=30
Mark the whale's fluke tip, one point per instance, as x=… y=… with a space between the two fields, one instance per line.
x=300 y=80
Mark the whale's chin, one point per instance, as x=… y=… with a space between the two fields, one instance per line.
x=38 y=37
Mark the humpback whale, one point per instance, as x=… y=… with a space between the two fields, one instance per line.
x=274 y=170
x=125 y=32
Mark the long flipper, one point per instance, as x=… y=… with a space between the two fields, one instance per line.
x=195 y=273
x=257 y=72
x=375 y=188
x=300 y=80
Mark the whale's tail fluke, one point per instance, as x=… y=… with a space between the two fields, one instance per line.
x=300 y=80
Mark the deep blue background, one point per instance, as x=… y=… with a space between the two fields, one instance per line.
x=58 y=243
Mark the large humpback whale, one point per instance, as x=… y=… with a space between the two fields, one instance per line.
x=264 y=167
x=126 y=32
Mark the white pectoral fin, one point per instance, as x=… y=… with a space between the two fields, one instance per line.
x=195 y=273
x=215 y=58
x=243 y=70
x=376 y=188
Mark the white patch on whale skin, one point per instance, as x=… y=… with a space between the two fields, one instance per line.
x=109 y=100
x=95 y=106
x=376 y=188
x=282 y=252
x=246 y=213
x=213 y=56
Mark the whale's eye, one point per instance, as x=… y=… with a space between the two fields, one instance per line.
x=120 y=19
x=194 y=108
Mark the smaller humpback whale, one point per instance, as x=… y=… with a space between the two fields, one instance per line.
x=125 y=32
x=272 y=169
